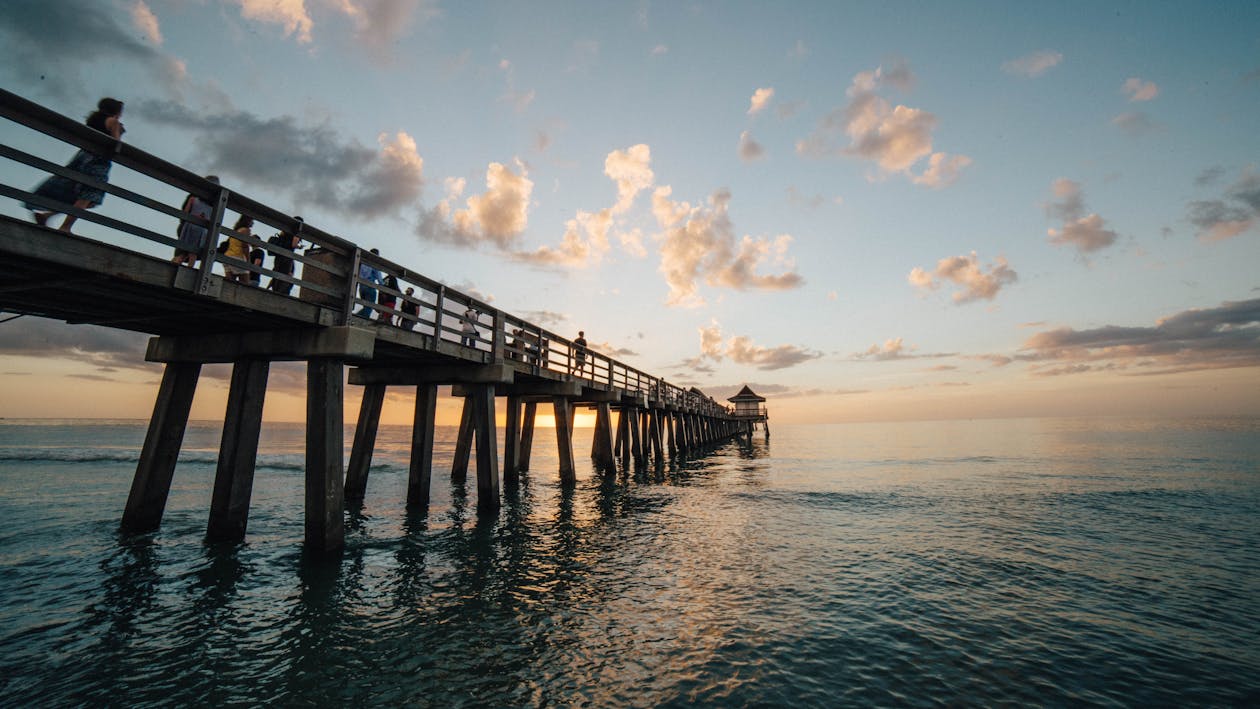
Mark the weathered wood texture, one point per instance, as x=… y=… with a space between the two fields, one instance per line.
x=152 y=483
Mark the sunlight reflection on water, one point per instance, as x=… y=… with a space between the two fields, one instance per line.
x=1025 y=561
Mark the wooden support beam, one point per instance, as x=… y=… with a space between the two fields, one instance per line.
x=152 y=484
x=669 y=431
x=487 y=448
x=238 y=451
x=325 y=505
x=463 y=442
x=654 y=434
x=604 y=456
x=527 y=434
x=564 y=439
x=420 y=472
x=307 y=343
x=512 y=443
x=470 y=373
x=364 y=441
x=636 y=445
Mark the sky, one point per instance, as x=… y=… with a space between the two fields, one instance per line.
x=864 y=211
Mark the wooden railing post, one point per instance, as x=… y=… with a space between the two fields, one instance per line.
x=209 y=249
x=496 y=338
x=438 y=312
x=352 y=287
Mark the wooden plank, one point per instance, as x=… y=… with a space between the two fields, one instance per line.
x=364 y=441
x=238 y=451
x=296 y=344
x=325 y=504
x=420 y=472
x=604 y=454
x=152 y=483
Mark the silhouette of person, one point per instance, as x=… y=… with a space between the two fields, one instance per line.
x=369 y=276
x=469 y=328
x=193 y=237
x=63 y=189
x=578 y=364
x=282 y=263
x=239 y=250
x=409 y=307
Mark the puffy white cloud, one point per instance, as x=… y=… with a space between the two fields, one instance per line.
x=1085 y=232
x=496 y=217
x=893 y=137
x=974 y=280
x=1139 y=90
x=894 y=348
x=942 y=170
x=631 y=169
x=1033 y=65
x=749 y=149
x=743 y=350
x=291 y=14
x=585 y=237
x=379 y=24
x=760 y=99
x=144 y=20
x=699 y=243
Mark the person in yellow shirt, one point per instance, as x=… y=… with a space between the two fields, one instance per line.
x=239 y=250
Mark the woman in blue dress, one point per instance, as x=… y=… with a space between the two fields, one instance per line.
x=63 y=189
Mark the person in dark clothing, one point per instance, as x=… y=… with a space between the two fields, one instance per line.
x=282 y=263
x=387 y=300
x=409 y=307
x=256 y=256
x=65 y=190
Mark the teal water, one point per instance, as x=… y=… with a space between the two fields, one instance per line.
x=1044 y=562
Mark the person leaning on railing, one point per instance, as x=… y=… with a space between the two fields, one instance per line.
x=193 y=237
x=282 y=263
x=63 y=189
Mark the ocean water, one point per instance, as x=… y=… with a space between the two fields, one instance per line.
x=1016 y=562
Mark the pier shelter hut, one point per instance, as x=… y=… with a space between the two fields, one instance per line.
x=749 y=410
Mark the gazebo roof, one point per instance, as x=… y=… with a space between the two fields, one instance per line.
x=746 y=394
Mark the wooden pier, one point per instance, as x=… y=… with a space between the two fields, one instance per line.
x=196 y=317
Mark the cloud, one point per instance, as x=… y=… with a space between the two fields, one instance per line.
x=699 y=243
x=1227 y=336
x=631 y=170
x=65 y=35
x=497 y=216
x=659 y=50
x=546 y=318
x=290 y=14
x=975 y=280
x=104 y=348
x=1209 y=176
x=312 y=164
x=895 y=349
x=380 y=24
x=1033 y=65
x=144 y=20
x=895 y=138
x=749 y=149
x=1139 y=90
x=760 y=99
x=742 y=350
x=1237 y=211
x=942 y=170
x=1135 y=123
x=1085 y=232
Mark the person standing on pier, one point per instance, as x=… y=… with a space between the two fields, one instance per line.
x=469 y=329
x=239 y=250
x=63 y=189
x=282 y=263
x=193 y=237
x=388 y=300
x=409 y=307
x=369 y=277
x=578 y=364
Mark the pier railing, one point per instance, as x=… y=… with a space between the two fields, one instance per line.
x=335 y=273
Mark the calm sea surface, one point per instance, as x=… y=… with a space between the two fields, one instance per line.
x=1044 y=562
